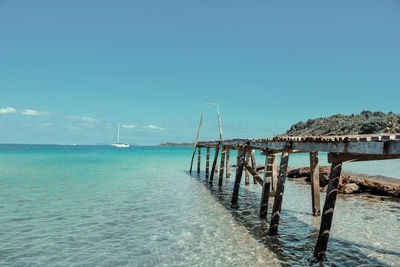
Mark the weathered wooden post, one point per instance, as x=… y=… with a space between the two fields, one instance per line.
x=222 y=165
x=207 y=161
x=266 y=187
x=198 y=159
x=239 y=171
x=247 y=175
x=214 y=162
x=327 y=212
x=228 y=163
x=253 y=164
x=274 y=175
x=276 y=210
x=314 y=177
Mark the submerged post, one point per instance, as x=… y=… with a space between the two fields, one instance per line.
x=239 y=171
x=314 y=177
x=207 y=161
x=247 y=176
x=266 y=187
x=198 y=159
x=327 y=213
x=228 y=163
x=253 y=164
x=214 y=162
x=274 y=169
x=222 y=165
x=276 y=211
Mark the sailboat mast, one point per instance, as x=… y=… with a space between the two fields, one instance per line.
x=118 y=134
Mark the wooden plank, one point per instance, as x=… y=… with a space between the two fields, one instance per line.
x=239 y=171
x=247 y=174
x=266 y=188
x=314 y=177
x=198 y=159
x=327 y=213
x=207 y=162
x=228 y=164
x=347 y=157
x=392 y=146
x=276 y=211
x=255 y=175
x=222 y=165
x=214 y=163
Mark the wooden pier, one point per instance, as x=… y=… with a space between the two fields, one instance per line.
x=339 y=148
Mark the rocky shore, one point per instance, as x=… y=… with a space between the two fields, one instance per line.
x=351 y=183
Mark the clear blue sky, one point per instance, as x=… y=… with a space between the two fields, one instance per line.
x=69 y=70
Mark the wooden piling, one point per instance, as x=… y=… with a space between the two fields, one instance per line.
x=247 y=176
x=253 y=172
x=314 y=178
x=214 y=162
x=228 y=163
x=265 y=189
x=253 y=164
x=239 y=171
x=198 y=159
x=274 y=175
x=207 y=162
x=327 y=213
x=276 y=210
x=222 y=165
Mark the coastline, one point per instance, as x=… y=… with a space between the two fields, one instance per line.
x=351 y=182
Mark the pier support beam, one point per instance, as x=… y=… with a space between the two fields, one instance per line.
x=266 y=187
x=239 y=171
x=327 y=213
x=198 y=159
x=253 y=164
x=314 y=178
x=222 y=165
x=276 y=211
x=214 y=163
x=247 y=175
x=274 y=169
x=207 y=162
x=228 y=163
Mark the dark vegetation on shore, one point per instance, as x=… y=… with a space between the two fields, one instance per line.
x=177 y=144
x=366 y=122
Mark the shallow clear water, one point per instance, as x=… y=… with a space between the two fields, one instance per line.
x=67 y=205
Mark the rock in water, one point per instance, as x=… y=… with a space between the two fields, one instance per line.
x=349 y=188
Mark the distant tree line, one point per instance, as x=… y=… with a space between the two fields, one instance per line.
x=366 y=122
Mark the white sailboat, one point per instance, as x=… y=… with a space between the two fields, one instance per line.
x=118 y=144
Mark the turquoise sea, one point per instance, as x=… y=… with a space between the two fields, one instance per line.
x=105 y=206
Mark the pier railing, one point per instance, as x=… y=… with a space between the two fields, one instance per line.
x=339 y=148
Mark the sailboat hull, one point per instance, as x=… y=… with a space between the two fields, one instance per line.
x=120 y=145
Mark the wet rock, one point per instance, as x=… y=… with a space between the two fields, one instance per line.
x=349 y=188
x=349 y=183
x=305 y=172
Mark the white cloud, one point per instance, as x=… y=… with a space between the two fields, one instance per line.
x=154 y=127
x=131 y=126
x=89 y=119
x=31 y=112
x=7 y=110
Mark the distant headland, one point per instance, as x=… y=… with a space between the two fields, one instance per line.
x=366 y=122
x=177 y=144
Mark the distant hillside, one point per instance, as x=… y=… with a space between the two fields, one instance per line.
x=177 y=144
x=366 y=122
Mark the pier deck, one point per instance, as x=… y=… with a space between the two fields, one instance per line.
x=339 y=148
